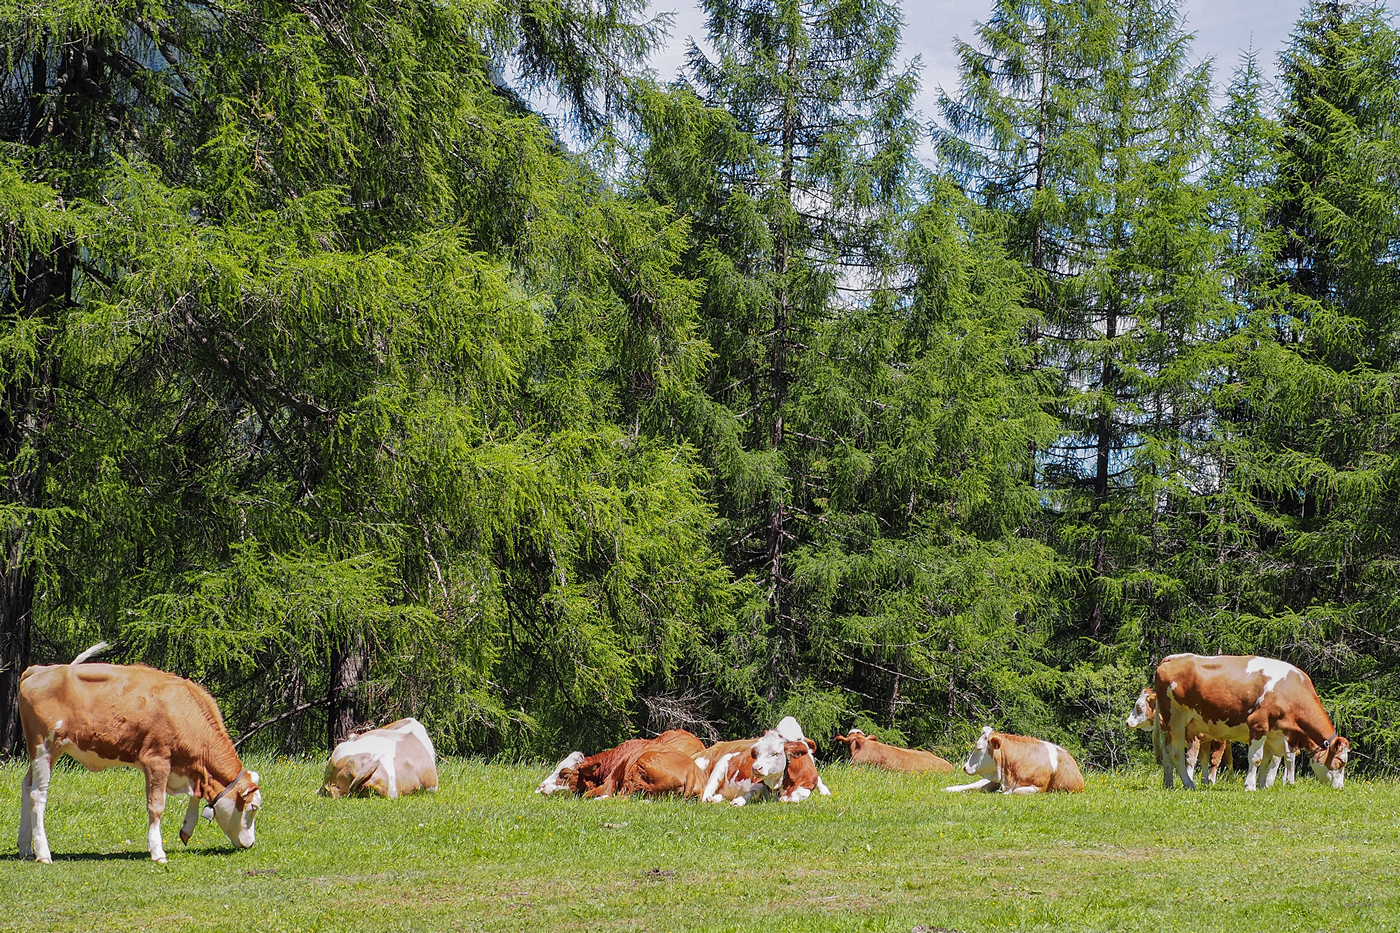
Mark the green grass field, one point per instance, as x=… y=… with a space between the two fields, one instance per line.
x=885 y=852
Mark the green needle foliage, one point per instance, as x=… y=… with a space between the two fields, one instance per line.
x=331 y=377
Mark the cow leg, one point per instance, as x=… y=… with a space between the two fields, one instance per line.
x=1217 y=754
x=40 y=770
x=1024 y=789
x=986 y=784
x=1193 y=755
x=711 y=793
x=1175 y=743
x=191 y=818
x=26 y=816
x=156 y=776
x=1256 y=755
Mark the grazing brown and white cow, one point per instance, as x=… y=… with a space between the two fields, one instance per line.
x=868 y=750
x=1015 y=764
x=392 y=761
x=105 y=715
x=1144 y=716
x=602 y=774
x=1270 y=704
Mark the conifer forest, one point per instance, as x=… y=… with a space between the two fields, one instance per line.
x=341 y=378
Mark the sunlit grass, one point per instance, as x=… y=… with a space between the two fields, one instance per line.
x=886 y=852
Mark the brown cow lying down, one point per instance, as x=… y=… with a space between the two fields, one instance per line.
x=779 y=761
x=1015 y=764
x=662 y=771
x=392 y=761
x=1144 y=716
x=107 y=715
x=868 y=750
x=601 y=775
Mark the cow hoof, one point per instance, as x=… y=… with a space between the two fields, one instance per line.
x=161 y=861
x=44 y=861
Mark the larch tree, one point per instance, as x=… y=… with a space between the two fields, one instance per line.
x=314 y=393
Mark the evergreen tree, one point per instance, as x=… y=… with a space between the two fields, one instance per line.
x=320 y=337
x=1317 y=460
x=793 y=230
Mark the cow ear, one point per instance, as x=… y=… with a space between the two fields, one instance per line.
x=843 y=739
x=993 y=743
x=811 y=745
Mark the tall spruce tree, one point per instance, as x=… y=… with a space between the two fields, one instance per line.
x=793 y=220
x=1084 y=124
x=1318 y=461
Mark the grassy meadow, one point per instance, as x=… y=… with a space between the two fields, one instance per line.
x=885 y=852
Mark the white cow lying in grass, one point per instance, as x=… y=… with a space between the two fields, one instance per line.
x=1015 y=764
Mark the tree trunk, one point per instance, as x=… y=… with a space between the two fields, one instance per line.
x=347 y=665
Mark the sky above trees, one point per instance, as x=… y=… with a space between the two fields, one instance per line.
x=1224 y=29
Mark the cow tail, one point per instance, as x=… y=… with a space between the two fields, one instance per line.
x=95 y=649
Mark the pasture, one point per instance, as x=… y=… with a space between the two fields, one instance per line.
x=885 y=852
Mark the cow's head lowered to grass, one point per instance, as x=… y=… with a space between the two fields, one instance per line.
x=236 y=808
x=1329 y=763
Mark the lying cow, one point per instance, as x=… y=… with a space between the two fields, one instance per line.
x=1015 y=764
x=745 y=769
x=1144 y=716
x=662 y=771
x=393 y=761
x=779 y=761
x=868 y=750
x=106 y=715
x=1271 y=704
x=602 y=774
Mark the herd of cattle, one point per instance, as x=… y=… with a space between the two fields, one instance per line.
x=106 y=715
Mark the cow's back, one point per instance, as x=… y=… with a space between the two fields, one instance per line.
x=1218 y=687
x=893 y=758
x=108 y=708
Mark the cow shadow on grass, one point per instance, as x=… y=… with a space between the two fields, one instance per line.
x=97 y=856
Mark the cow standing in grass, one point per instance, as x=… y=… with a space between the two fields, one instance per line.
x=106 y=715
x=1270 y=704
x=1144 y=716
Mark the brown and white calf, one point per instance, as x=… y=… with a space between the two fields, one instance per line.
x=743 y=770
x=106 y=715
x=1015 y=764
x=1144 y=716
x=392 y=761
x=868 y=750
x=1270 y=704
x=602 y=774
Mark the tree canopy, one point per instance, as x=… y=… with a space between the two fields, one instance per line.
x=339 y=377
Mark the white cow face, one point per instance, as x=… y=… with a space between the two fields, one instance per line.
x=1144 y=711
x=770 y=758
x=552 y=784
x=1329 y=764
x=980 y=762
x=236 y=812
